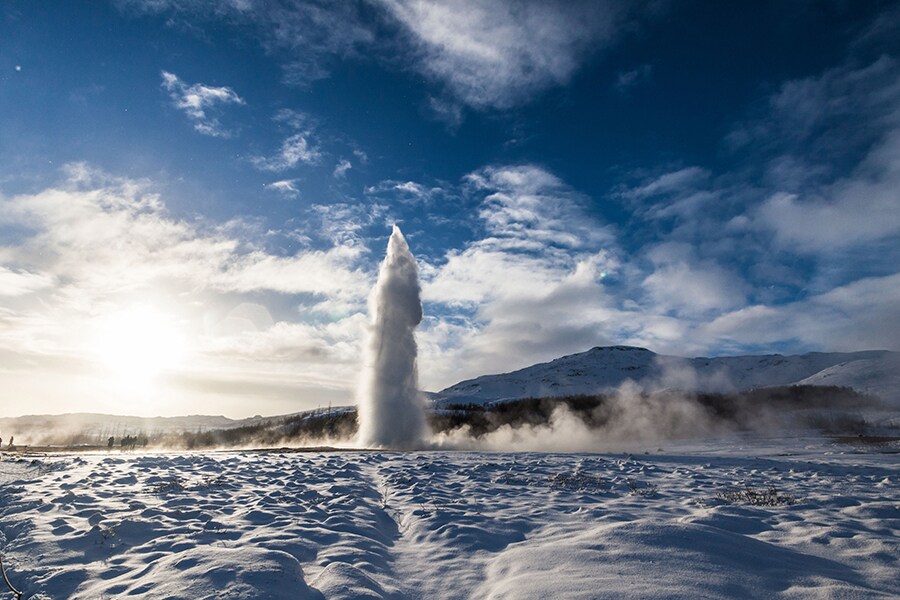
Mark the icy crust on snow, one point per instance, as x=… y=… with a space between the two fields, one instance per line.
x=604 y=369
x=694 y=522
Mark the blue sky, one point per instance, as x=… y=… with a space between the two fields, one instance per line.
x=195 y=195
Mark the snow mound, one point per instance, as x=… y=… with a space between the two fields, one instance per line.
x=699 y=561
x=210 y=572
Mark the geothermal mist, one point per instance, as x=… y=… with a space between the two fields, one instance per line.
x=391 y=410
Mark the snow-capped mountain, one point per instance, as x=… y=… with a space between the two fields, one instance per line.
x=879 y=376
x=604 y=369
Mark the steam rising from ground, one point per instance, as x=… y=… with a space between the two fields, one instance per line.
x=391 y=413
x=391 y=409
x=629 y=418
x=633 y=417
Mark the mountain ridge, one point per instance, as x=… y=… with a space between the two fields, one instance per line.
x=603 y=369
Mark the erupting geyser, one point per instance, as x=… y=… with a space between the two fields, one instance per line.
x=391 y=410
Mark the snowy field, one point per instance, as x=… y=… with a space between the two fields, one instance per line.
x=762 y=518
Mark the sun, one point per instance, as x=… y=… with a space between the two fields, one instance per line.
x=138 y=343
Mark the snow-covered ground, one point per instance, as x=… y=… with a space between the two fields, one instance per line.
x=741 y=518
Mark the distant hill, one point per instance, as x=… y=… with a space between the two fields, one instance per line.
x=597 y=371
x=603 y=369
x=93 y=430
x=878 y=376
x=96 y=428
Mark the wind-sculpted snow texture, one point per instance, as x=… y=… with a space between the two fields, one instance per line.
x=391 y=410
x=805 y=520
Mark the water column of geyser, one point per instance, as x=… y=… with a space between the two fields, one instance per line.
x=391 y=410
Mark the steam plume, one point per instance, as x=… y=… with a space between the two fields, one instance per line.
x=391 y=411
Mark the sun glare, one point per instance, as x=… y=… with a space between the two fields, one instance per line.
x=138 y=343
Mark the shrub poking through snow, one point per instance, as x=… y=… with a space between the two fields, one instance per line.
x=107 y=533
x=637 y=488
x=209 y=482
x=768 y=496
x=172 y=485
x=577 y=482
x=511 y=478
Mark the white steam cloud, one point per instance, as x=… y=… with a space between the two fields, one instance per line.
x=629 y=419
x=391 y=410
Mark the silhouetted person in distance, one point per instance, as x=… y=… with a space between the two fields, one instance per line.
x=110 y=443
x=11 y=446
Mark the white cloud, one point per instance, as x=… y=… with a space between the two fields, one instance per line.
x=682 y=283
x=97 y=244
x=546 y=278
x=861 y=315
x=320 y=272
x=312 y=34
x=857 y=209
x=18 y=283
x=541 y=278
x=627 y=80
x=295 y=149
x=669 y=182
x=306 y=36
x=294 y=119
x=527 y=207
x=531 y=287
x=343 y=222
x=527 y=290
x=406 y=192
x=447 y=110
x=113 y=235
x=514 y=301
x=285 y=187
x=314 y=345
x=722 y=272
x=523 y=310
x=818 y=122
x=683 y=195
x=198 y=100
x=495 y=54
x=486 y=54
x=340 y=169
x=800 y=106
